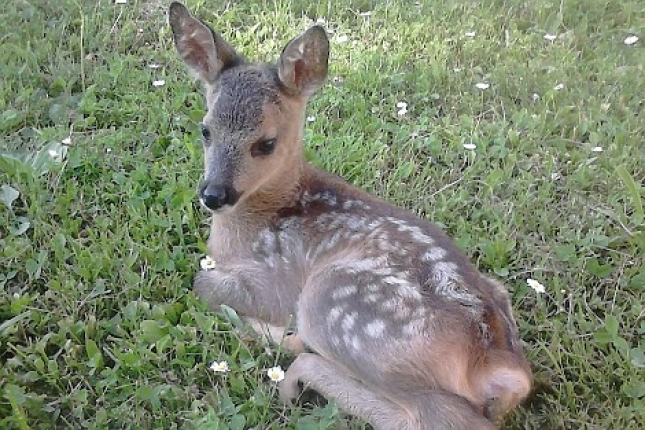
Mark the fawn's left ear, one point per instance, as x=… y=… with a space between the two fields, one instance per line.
x=303 y=64
x=203 y=50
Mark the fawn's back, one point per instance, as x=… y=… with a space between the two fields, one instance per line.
x=402 y=329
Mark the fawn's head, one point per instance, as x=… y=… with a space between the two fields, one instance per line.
x=253 y=127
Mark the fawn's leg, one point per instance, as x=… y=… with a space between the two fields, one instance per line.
x=430 y=410
x=266 y=303
x=330 y=381
x=223 y=287
x=251 y=291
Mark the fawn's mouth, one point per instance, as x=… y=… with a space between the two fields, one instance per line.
x=223 y=210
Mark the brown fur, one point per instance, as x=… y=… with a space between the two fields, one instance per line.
x=402 y=329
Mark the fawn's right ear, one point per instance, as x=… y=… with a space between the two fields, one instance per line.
x=303 y=65
x=202 y=49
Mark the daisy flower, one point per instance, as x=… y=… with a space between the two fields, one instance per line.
x=275 y=374
x=219 y=367
x=207 y=263
x=537 y=287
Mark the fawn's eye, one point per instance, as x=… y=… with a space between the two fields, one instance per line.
x=206 y=134
x=263 y=147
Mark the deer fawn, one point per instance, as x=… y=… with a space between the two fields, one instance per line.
x=391 y=320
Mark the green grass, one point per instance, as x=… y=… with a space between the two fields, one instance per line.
x=98 y=326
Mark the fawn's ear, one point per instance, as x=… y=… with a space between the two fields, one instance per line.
x=202 y=49
x=303 y=65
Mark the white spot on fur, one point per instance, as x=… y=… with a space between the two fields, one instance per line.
x=417 y=234
x=331 y=242
x=329 y=198
x=403 y=313
x=375 y=224
x=333 y=316
x=374 y=288
x=434 y=254
x=349 y=321
x=344 y=292
x=393 y=280
x=357 y=223
x=386 y=271
x=444 y=272
x=350 y=204
x=352 y=342
x=270 y=261
x=375 y=328
x=367 y=265
x=391 y=304
x=356 y=343
x=410 y=292
x=421 y=237
x=410 y=329
x=403 y=287
x=255 y=247
x=265 y=243
x=373 y=298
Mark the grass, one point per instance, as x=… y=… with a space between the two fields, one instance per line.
x=99 y=242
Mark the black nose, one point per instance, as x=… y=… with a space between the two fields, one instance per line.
x=215 y=197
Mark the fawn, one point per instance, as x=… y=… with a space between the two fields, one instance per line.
x=387 y=316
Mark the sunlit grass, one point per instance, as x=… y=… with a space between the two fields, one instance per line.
x=518 y=127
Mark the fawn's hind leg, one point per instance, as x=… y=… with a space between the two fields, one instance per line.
x=429 y=410
x=330 y=381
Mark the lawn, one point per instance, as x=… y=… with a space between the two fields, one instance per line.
x=517 y=126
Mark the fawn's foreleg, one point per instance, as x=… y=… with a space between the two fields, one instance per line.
x=219 y=287
x=247 y=295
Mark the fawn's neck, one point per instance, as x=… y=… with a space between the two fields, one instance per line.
x=231 y=230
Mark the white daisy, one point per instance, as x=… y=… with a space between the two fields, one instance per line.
x=219 y=367
x=342 y=38
x=403 y=108
x=537 y=287
x=55 y=155
x=275 y=374
x=207 y=263
x=630 y=40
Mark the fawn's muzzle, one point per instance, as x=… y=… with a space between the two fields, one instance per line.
x=215 y=197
